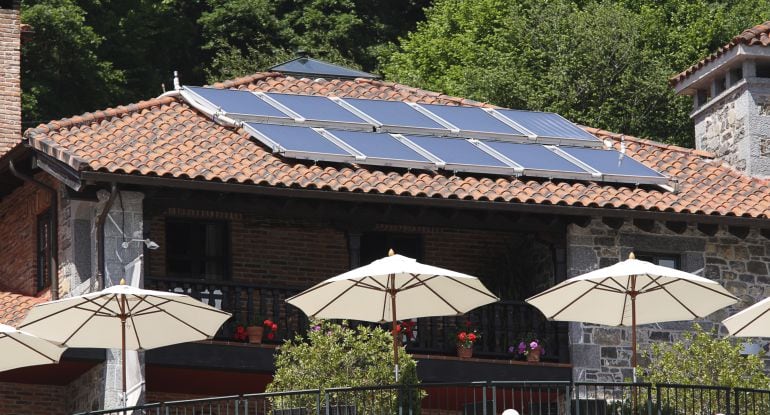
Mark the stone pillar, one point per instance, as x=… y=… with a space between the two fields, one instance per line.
x=124 y=222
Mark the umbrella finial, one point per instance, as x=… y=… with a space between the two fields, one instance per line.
x=122 y=281
x=391 y=252
x=631 y=256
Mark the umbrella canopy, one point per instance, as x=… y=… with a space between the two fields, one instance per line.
x=632 y=292
x=124 y=317
x=365 y=293
x=753 y=321
x=20 y=349
x=370 y=293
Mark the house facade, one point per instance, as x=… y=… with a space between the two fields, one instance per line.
x=242 y=229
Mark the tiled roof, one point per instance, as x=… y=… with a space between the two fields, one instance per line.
x=758 y=35
x=13 y=307
x=166 y=137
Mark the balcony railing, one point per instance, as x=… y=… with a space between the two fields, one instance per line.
x=502 y=324
x=479 y=398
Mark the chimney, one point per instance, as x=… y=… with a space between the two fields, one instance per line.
x=10 y=74
x=730 y=90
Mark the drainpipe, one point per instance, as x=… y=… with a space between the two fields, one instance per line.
x=100 y=220
x=53 y=235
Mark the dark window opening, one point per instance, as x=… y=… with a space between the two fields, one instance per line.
x=703 y=96
x=721 y=85
x=763 y=70
x=736 y=74
x=43 y=252
x=375 y=245
x=197 y=249
x=664 y=260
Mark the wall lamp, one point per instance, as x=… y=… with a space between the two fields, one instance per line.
x=147 y=242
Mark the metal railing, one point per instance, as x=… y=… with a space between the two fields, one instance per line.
x=478 y=398
x=502 y=324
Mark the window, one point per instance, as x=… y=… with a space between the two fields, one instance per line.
x=665 y=260
x=43 y=251
x=197 y=249
x=375 y=245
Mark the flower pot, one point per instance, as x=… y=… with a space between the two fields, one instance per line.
x=255 y=334
x=464 y=352
x=533 y=355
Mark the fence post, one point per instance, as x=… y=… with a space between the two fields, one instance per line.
x=568 y=397
x=727 y=402
x=484 y=401
x=649 y=400
x=245 y=406
x=657 y=398
x=328 y=403
x=494 y=399
x=737 y=409
x=318 y=402
x=237 y=407
x=577 y=399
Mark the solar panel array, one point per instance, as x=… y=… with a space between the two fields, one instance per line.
x=423 y=136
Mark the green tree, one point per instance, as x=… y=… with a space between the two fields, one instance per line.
x=599 y=63
x=335 y=355
x=703 y=358
x=61 y=71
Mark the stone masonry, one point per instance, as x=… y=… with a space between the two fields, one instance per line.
x=602 y=353
x=736 y=127
x=10 y=77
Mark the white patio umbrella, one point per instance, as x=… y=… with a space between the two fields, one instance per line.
x=124 y=317
x=369 y=293
x=632 y=292
x=753 y=321
x=20 y=349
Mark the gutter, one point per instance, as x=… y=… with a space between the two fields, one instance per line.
x=100 y=220
x=423 y=201
x=53 y=235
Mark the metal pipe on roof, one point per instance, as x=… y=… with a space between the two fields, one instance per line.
x=53 y=235
x=100 y=221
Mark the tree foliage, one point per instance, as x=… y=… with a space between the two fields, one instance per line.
x=703 y=358
x=335 y=355
x=600 y=63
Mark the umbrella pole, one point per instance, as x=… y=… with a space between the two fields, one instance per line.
x=633 y=342
x=395 y=333
x=123 y=346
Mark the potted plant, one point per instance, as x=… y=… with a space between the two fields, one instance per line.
x=407 y=330
x=465 y=340
x=257 y=332
x=239 y=332
x=529 y=350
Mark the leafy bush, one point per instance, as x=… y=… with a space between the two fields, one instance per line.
x=334 y=355
x=703 y=358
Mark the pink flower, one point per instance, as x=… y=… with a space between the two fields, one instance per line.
x=533 y=345
x=472 y=337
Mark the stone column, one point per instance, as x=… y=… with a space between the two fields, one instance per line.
x=124 y=222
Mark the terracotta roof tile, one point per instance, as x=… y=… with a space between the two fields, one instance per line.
x=166 y=137
x=758 y=35
x=13 y=306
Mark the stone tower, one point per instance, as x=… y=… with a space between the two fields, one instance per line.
x=731 y=101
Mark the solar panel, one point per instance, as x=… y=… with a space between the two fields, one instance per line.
x=537 y=160
x=547 y=124
x=238 y=104
x=613 y=165
x=384 y=149
x=474 y=122
x=396 y=116
x=322 y=110
x=461 y=155
x=299 y=142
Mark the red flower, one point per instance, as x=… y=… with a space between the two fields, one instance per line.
x=267 y=323
x=398 y=329
x=274 y=327
x=472 y=337
x=270 y=336
x=461 y=336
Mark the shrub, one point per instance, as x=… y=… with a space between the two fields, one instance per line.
x=334 y=355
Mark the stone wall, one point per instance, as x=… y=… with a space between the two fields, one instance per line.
x=736 y=127
x=10 y=68
x=602 y=353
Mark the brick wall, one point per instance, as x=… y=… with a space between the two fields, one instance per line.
x=303 y=252
x=24 y=399
x=10 y=77
x=18 y=237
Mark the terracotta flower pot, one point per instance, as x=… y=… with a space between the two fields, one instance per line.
x=255 y=333
x=533 y=355
x=464 y=352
